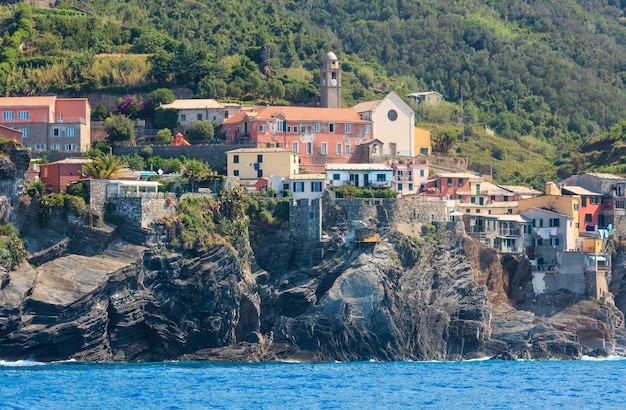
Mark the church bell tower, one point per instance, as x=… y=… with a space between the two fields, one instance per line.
x=330 y=82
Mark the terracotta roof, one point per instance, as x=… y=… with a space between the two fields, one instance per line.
x=578 y=190
x=307 y=176
x=358 y=167
x=457 y=175
x=299 y=114
x=71 y=161
x=366 y=106
x=193 y=104
x=259 y=150
x=27 y=101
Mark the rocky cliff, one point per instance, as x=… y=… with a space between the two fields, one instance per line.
x=437 y=295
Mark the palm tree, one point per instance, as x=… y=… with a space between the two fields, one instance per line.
x=104 y=166
x=196 y=171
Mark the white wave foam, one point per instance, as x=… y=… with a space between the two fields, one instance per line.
x=20 y=363
x=602 y=359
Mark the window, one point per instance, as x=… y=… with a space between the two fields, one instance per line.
x=294 y=146
x=183 y=117
x=347 y=149
x=262 y=128
x=399 y=187
x=236 y=172
x=22 y=115
x=288 y=128
x=477 y=210
x=236 y=159
x=460 y=198
x=331 y=127
x=55 y=132
x=554 y=222
x=575 y=207
x=577 y=225
x=225 y=114
x=537 y=223
x=199 y=117
x=381 y=177
x=421 y=172
x=339 y=148
x=584 y=200
x=70 y=147
x=554 y=241
x=411 y=188
x=259 y=158
x=295 y=129
x=336 y=177
x=347 y=128
x=55 y=147
x=450 y=182
x=588 y=217
x=481 y=200
x=259 y=173
x=309 y=147
x=24 y=132
x=460 y=182
x=281 y=125
x=392 y=115
x=368 y=129
x=238 y=129
x=324 y=148
x=399 y=172
x=316 y=186
x=473 y=199
x=526 y=229
x=538 y=242
x=40 y=147
x=9 y=115
x=316 y=127
x=298 y=187
x=70 y=132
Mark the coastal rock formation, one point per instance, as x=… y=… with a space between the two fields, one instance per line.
x=434 y=294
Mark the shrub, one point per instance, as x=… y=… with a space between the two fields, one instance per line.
x=12 y=251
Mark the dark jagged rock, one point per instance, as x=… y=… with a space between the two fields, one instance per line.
x=438 y=296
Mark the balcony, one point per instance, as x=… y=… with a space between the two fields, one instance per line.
x=381 y=184
x=545 y=267
x=509 y=232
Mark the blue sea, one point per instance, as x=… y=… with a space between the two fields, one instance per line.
x=585 y=384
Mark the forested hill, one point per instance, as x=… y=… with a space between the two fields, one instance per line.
x=534 y=71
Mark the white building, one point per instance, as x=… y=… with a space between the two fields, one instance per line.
x=393 y=123
x=202 y=110
x=359 y=175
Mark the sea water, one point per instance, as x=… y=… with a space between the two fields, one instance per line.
x=585 y=384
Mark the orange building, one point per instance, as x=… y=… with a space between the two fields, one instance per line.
x=318 y=135
x=49 y=123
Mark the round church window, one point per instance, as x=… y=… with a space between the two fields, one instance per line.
x=392 y=115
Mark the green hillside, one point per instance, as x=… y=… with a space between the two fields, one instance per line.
x=546 y=76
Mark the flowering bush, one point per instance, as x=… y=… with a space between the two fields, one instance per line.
x=131 y=106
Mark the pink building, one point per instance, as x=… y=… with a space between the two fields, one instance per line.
x=10 y=133
x=57 y=175
x=49 y=123
x=318 y=135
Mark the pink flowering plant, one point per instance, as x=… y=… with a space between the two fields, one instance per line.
x=131 y=106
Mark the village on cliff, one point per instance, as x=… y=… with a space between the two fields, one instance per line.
x=307 y=152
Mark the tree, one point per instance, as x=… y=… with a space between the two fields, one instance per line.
x=119 y=128
x=165 y=135
x=211 y=87
x=200 y=131
x=443 y=141
x=196 y=171
x=105 y=166
x=275 y=90
x=158 y=97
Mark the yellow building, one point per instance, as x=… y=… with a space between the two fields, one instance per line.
x=255 y=163
x=422 y=141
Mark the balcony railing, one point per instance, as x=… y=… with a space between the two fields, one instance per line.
x=509 y=232
x=545 y=267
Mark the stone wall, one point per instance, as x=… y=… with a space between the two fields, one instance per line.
x=142 y=210
x=305 y=220
x=97 y=189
